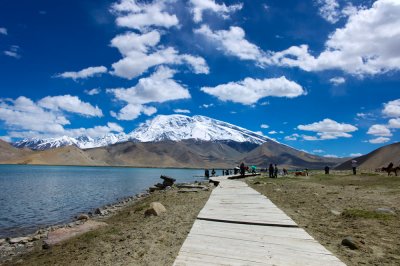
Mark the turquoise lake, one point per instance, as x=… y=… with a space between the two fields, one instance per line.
x=33 y=197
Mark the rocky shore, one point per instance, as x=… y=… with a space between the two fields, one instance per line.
x=21 y=250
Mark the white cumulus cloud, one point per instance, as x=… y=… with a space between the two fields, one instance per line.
x=3 y=31
x=233 y=42
x=158 y=88
x=84 y=73
x=140 y=52
x=141 y=15
x=182 y=111
x=366 y=45
x=70 y=104
x=328 y=129
x=264 y=126
x=392 y=108
x=255 y=89
x=329 y=10
x=199 y=6
x=337 y=80
x=379 y=140
x=379 y=130
x=92 y=92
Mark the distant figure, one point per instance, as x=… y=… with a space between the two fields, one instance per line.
x=285 y=172
x=276 y=171
x=327 y=170
x=354 y=166
x=242 y=169
x=213 y=172
x=253 y=169
x=227 y=172
x=207 y=173
x=271 y=171
x=390 y=166
x=236 y=170
x=306 y=171
x=223 y=172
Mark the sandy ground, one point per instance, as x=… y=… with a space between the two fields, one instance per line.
x=130 y=238
x=333 y=207
x=329 y=208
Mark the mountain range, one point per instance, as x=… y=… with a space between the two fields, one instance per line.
x=166 y=141
x=161 y=128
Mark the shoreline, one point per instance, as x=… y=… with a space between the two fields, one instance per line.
x=12 y=247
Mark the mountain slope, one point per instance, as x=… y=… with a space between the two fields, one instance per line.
x=377 y=158
x=187 y=153
x=181 y=127
x=8 y=152
x=70 y=155
x=160 y=128
x=285 y=156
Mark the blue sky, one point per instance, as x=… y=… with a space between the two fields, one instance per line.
x=318 y=75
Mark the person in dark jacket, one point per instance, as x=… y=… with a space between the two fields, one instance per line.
x=242 y=169
x=207 y=173
x=213 y=172
x=271 y=171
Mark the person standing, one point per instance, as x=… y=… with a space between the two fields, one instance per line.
x=213 y=172
x=271 y=171
x=327 y=170
x=354 y=166
x=242 y=168
x=276 y=171
x=207 y=174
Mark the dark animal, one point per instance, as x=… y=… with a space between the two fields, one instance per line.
x=391 y=169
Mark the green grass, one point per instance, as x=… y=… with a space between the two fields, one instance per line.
x=357 y=213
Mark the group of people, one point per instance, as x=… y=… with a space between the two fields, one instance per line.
x=273 y=171
x=207 y=173
x=241 y=169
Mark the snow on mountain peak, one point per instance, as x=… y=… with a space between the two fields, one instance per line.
x=180 y=127
x=162 y=127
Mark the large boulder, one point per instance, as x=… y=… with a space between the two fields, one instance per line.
x=168 y=181
x=20 y=240
x=155 y=209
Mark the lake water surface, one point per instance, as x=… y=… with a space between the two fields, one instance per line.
x=37 y=196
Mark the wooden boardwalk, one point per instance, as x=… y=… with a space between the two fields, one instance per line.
x=239 y=226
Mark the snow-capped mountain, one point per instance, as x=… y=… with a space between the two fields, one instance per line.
x=180 y=127
x=83 y=142
x=162 y=127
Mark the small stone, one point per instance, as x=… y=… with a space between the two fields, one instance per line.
x=82 y=217
x=45 y=246
x=2 y=242
x=277 y=190
x=155 y=209
x=336 y=213
x=19 y=240
x=350 y=242
x=257 y=183
x=385 y=211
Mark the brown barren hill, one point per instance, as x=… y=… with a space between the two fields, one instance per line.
x=285 y=156
x=69 y=155
x=188 y=153
x=10 y=153
x=377 y=158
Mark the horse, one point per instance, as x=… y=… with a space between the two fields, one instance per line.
x=391 y=169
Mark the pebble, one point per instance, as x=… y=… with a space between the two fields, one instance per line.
x=350 y=242
x=19 y=240
x=385 y=211
x=337 y=213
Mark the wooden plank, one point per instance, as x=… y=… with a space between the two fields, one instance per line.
x=243 y=227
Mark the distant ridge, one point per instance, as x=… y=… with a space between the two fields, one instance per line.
x=377 y=158
x=168 y=141
x=160 y=128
